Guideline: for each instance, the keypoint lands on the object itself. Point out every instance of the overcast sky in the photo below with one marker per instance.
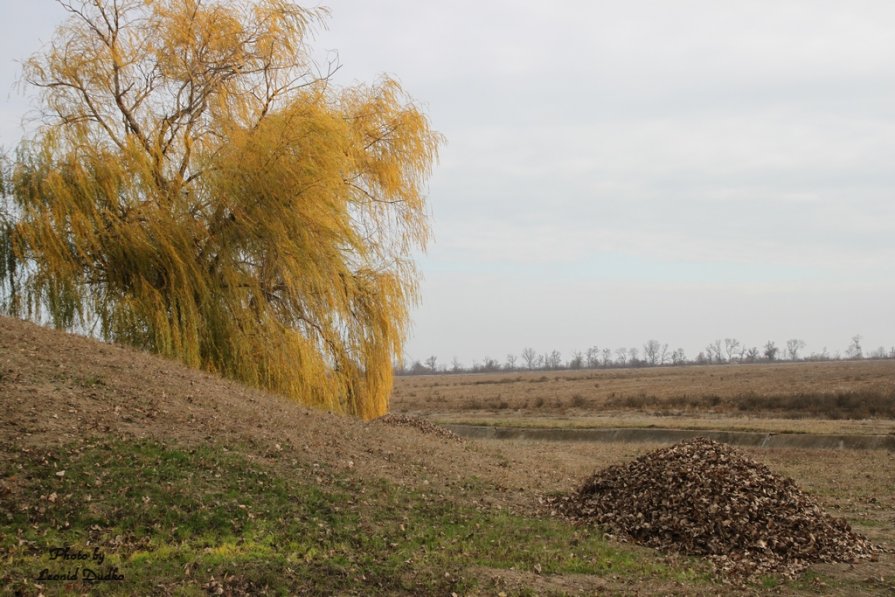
(618, 171)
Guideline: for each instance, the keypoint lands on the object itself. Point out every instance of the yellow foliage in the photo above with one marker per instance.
(199, 192)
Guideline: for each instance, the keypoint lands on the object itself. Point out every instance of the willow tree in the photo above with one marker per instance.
(199, 188)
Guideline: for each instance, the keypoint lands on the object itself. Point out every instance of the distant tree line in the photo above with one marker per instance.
(652, 354)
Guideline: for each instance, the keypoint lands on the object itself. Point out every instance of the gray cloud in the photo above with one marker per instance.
(618, 171)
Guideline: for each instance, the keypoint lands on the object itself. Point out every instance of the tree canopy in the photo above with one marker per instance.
(198, 187)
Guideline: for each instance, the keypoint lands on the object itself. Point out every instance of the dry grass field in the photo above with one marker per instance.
(822, 397)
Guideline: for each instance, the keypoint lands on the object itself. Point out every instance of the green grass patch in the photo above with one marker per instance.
(145, 517)
(868, 523)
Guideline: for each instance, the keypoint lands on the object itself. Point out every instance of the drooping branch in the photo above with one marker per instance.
(200, 189)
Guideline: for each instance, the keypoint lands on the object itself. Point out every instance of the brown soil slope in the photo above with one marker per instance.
(57, 388)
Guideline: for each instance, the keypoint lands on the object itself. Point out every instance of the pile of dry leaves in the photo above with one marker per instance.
(700, 497)
(419, 424)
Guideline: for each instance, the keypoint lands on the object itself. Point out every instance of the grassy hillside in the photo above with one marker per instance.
(158, 478)
(171, 481)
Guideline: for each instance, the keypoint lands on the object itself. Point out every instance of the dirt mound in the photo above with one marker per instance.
(59, 389)
(700, 497)
(422, 425)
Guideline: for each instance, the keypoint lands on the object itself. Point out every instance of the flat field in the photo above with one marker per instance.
(819, 397)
